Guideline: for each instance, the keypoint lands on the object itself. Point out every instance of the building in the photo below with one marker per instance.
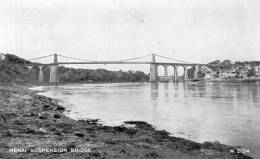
(226, 73)
(257, 70)
(243, 73)
(209, 75)
(2, 56)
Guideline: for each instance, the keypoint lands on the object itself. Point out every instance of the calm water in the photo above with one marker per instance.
(229, 113)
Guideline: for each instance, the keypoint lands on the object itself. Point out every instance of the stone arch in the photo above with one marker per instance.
(34, 72)
(180, 70)
(40, 72)
(176, 76)
(187, 72)
(46, 73)
(190, 72)
(161, 71)
(171, 72)
(195, 69)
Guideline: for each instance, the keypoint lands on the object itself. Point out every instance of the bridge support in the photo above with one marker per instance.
(166, 73)
(54, 75)
(153, 70)
(185, 73)
(41, 75)
(175, 74)
(54, 78)
(196, 70)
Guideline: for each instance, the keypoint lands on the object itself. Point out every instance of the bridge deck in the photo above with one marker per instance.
(118, 62)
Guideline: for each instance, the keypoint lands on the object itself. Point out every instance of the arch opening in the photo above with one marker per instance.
(171, 73)
(161, 71)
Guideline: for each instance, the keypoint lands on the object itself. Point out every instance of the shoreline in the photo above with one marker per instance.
(32, 121)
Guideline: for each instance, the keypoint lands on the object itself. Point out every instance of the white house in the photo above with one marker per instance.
(257, 70)
(2, 56)
(209, 75)
(227, 74)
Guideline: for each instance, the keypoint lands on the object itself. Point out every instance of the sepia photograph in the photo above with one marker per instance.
(129, 79)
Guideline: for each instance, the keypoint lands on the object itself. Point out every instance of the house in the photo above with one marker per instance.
(243, 73)
(209, 75)
(227, 73)
(257, 70)
(2, 56)
(247, 67)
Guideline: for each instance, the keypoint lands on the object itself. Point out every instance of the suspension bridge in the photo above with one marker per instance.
(175, 63)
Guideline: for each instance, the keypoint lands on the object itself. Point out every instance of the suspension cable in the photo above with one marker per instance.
(75, 58)
(41, 57)
(172, 59)
(135, 58)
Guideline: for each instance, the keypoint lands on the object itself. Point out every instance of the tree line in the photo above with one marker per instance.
(100, 75)
(13, 68)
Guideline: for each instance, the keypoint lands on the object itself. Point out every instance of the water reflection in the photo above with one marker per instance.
(228, 113)
(154, 91)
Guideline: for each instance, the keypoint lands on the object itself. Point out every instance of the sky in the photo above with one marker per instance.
(199, 31)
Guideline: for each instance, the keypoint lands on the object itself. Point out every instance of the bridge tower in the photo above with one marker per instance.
(41, 74)
(54, 75)
(153, 70)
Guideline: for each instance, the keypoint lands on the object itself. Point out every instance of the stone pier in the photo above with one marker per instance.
(196, 70)
(185, 73)
(54, 78)
(153, 70)
(165, 73)
(176, 74)
(54, 74)
(41, 75)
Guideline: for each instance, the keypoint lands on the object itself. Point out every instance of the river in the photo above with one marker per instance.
(224, 112)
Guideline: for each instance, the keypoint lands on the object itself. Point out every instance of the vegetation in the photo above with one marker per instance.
(100, 75)
(13, 68)
(227, 64)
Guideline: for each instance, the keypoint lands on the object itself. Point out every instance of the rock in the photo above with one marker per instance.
(78, 134)
(46, 107)
(33, 114)
(60, 108)
(17, 122)
(42, 115)
(140, 124)
(95, 154)
(152, 155)
(29, 130)
(8, 133)
(52, 128)
(2, 119)
(131, 131)
(58, 132)
(57, 116)
(42, 130)
(119, 128)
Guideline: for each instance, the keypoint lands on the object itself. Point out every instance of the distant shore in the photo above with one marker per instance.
(34, 126)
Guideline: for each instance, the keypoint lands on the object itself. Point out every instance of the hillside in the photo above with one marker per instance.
(228, 64)
(13, 68)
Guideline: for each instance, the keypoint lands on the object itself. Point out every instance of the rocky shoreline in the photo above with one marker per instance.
(34, 126)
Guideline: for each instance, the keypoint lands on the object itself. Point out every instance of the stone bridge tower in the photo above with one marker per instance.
(54, 74)
(153, 70)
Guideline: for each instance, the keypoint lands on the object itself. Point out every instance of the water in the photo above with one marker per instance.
(228, 113)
